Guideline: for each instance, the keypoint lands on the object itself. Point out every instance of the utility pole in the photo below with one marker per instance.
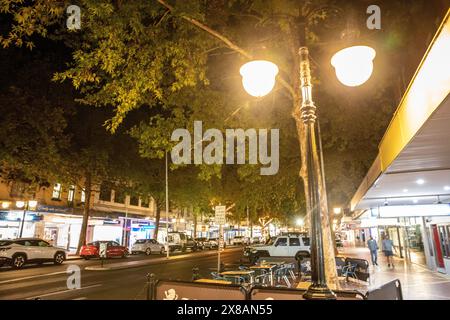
(167, 209)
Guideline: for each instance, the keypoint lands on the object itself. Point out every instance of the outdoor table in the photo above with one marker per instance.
(273, 262)
(269, 268)
(303, 285)
(239, 274)
(213, 281)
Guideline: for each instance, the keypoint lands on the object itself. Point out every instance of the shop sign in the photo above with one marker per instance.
(53, 209)
(17, 216)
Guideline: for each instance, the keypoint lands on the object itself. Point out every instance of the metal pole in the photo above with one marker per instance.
(167, 209)
(23, 219)
(219, 247)
(319, 288)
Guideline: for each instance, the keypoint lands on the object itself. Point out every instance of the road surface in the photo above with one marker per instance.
(49, 282)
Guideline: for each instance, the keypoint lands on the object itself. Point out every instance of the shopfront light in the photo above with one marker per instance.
(32, 204)
(354, 65)
(20, 204)
(258, 77)
(5, 205)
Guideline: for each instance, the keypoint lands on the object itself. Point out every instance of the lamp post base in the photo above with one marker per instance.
(318, 292)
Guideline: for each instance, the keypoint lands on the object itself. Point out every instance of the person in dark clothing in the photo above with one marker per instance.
(373, 247)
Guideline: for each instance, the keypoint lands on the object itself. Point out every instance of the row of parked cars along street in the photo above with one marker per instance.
(22, 251)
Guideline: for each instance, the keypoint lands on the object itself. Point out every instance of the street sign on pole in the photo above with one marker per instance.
(220, 215)
(103, 248)
(220, 220)
(102, 251)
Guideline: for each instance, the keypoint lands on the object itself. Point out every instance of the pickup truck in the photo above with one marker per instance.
(283, 246)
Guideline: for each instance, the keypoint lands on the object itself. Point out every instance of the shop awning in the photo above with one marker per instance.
(413, 163)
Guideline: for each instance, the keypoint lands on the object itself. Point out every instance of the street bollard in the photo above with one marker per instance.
(150, 286)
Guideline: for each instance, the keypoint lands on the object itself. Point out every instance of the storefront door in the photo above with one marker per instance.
(437, 246)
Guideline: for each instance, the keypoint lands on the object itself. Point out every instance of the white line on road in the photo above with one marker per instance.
(80, 298)
(63, 291)
(33, 277)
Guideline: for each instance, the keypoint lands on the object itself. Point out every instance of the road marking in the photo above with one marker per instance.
(80, 298)
(63, 291)
(33, 277)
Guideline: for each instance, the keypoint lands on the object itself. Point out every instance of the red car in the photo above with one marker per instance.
(114, 249)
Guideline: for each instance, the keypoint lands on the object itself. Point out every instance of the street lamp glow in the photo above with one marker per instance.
(354, 65)
(337, 210)
(300, 222)
(5, 205)
(32, 204)
(258, 77)
(20, 204)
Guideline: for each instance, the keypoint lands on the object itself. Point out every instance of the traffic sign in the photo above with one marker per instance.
(220, 215)
(103, 248)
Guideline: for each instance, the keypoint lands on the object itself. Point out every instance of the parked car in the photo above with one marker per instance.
(147, 246)
(202, 243)
(22, 251)
(239, 240)
(113, 249)
(214, 243)
(181, 241)
(255, 240)
(282, 246)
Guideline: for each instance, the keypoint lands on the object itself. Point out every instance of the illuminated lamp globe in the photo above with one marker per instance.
(258, 77)
(354, 65)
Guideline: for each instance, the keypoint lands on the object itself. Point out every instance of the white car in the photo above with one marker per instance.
(239, 240)
(147, 246)
(21, 251)
(283, 246)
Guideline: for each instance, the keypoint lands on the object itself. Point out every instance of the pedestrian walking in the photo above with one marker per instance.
(387, 247)
(373, 247)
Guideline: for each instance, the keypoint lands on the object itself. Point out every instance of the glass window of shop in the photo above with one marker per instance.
(57, 189)
(107, 233)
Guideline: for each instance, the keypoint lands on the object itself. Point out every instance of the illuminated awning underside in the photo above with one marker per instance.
(416, 145)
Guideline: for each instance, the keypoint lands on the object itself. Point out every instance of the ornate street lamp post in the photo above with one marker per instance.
(264, 73)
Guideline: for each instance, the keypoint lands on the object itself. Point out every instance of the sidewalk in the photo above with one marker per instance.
(418, 282)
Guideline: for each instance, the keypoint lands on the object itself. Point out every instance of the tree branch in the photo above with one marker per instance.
(225, 40)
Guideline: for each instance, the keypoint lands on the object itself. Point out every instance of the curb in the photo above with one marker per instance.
(141, 263)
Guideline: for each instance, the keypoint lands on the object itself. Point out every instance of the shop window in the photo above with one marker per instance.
(57, 189)
(71, 194)
(105, 192)
(145, 202)
(83, 196)
(119, 197)
(134, 200)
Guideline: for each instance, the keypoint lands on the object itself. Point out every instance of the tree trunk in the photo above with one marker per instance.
(195, 225)
(87, 208)
(157, 218)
